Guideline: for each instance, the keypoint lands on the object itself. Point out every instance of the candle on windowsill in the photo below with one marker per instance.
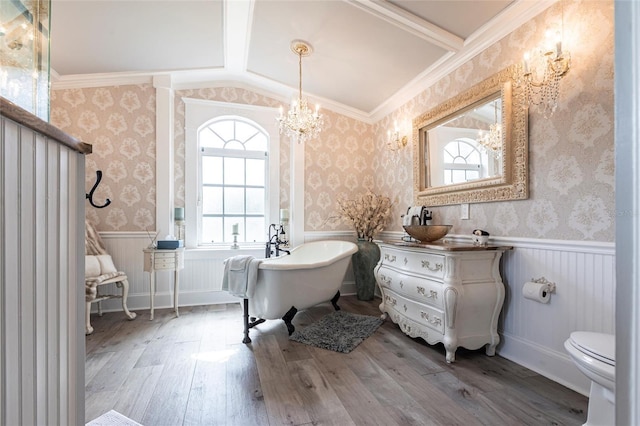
(178, 213)
(235, 229)
(284, 215)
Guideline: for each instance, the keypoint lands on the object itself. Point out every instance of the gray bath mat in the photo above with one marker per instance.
(339, 331)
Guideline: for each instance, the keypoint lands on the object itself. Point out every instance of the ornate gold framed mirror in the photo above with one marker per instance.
(473, 148)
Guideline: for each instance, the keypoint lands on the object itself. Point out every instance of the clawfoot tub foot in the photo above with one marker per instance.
(246, 321)
(249, 322)
(288, 317)
(334, 301)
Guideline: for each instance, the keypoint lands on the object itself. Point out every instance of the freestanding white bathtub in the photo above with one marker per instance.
(310, 275)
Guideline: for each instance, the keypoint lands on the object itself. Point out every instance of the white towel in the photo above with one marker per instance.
(411, 212)
(240, 275)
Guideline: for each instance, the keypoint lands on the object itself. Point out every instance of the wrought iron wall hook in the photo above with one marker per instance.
(95, 186)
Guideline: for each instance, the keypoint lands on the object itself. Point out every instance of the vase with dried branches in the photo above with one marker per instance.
(368, 213)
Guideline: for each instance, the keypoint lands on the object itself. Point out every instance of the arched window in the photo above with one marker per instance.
(233, 179)
(462, 161)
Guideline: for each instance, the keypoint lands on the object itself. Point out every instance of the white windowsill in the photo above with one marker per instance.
(224, 251)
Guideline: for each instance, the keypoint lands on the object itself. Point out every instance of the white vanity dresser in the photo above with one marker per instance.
(443, 292)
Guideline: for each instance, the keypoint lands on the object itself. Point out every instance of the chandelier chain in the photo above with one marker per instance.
(300, 122)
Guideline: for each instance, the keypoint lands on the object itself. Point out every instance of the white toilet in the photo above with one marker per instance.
(594, 354)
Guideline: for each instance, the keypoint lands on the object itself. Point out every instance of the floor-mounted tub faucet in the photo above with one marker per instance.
(276, 241)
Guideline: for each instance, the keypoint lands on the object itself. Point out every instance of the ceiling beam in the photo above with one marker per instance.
(410, 23)
(237, 27)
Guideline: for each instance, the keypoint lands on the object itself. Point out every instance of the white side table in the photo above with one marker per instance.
(163, 260)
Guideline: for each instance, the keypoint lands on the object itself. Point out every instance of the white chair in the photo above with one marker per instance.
(99, 271)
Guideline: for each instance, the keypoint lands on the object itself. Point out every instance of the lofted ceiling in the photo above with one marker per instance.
(369, 56)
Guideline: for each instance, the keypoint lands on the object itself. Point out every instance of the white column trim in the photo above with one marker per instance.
(164, 155)
(627, 140)
(297, 193)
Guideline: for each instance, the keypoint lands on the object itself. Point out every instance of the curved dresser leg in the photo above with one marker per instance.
(451, 356)
(384, 316)
(490, 349)
(125, 294)
(334, 301)
(288, 317)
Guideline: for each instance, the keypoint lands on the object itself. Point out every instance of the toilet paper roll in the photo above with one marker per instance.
(536, 291)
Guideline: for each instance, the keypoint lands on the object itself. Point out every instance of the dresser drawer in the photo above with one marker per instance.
(427, 264)
(164, 263)
(164, 255)
(421, 314)
(420, 289)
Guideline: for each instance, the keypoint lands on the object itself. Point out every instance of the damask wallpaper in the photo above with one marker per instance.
(338, 163)
(571, 154)
(120, 123)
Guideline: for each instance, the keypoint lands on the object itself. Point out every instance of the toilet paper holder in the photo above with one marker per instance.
(550, 287)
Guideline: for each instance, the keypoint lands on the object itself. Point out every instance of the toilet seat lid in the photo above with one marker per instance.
(601, 346)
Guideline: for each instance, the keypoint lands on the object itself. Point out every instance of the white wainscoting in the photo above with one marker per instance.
(200, 280)
(532, 333)
(41, 278)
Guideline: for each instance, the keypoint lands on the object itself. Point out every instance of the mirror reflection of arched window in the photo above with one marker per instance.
(462, 161)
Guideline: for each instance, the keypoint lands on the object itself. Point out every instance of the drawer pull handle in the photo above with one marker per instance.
(431, 319)
(405, 308)
(390, 258)
(401, 284)
(427, 264)
(406, 261)
(432, 294)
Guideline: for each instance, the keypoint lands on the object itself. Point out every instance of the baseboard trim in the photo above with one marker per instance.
(164, 300)
(551, 364)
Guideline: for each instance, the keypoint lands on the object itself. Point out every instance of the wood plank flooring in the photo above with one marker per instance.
(195, 370)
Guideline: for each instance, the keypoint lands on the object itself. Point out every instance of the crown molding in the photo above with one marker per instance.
(207, 78)
(506, 22)
(82, 81)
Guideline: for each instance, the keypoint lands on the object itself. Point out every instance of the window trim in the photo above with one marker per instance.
(230, 153)
(200, 113)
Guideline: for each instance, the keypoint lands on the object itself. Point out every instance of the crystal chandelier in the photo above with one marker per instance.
(300, 122)
(491, 141)
(542, 70)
